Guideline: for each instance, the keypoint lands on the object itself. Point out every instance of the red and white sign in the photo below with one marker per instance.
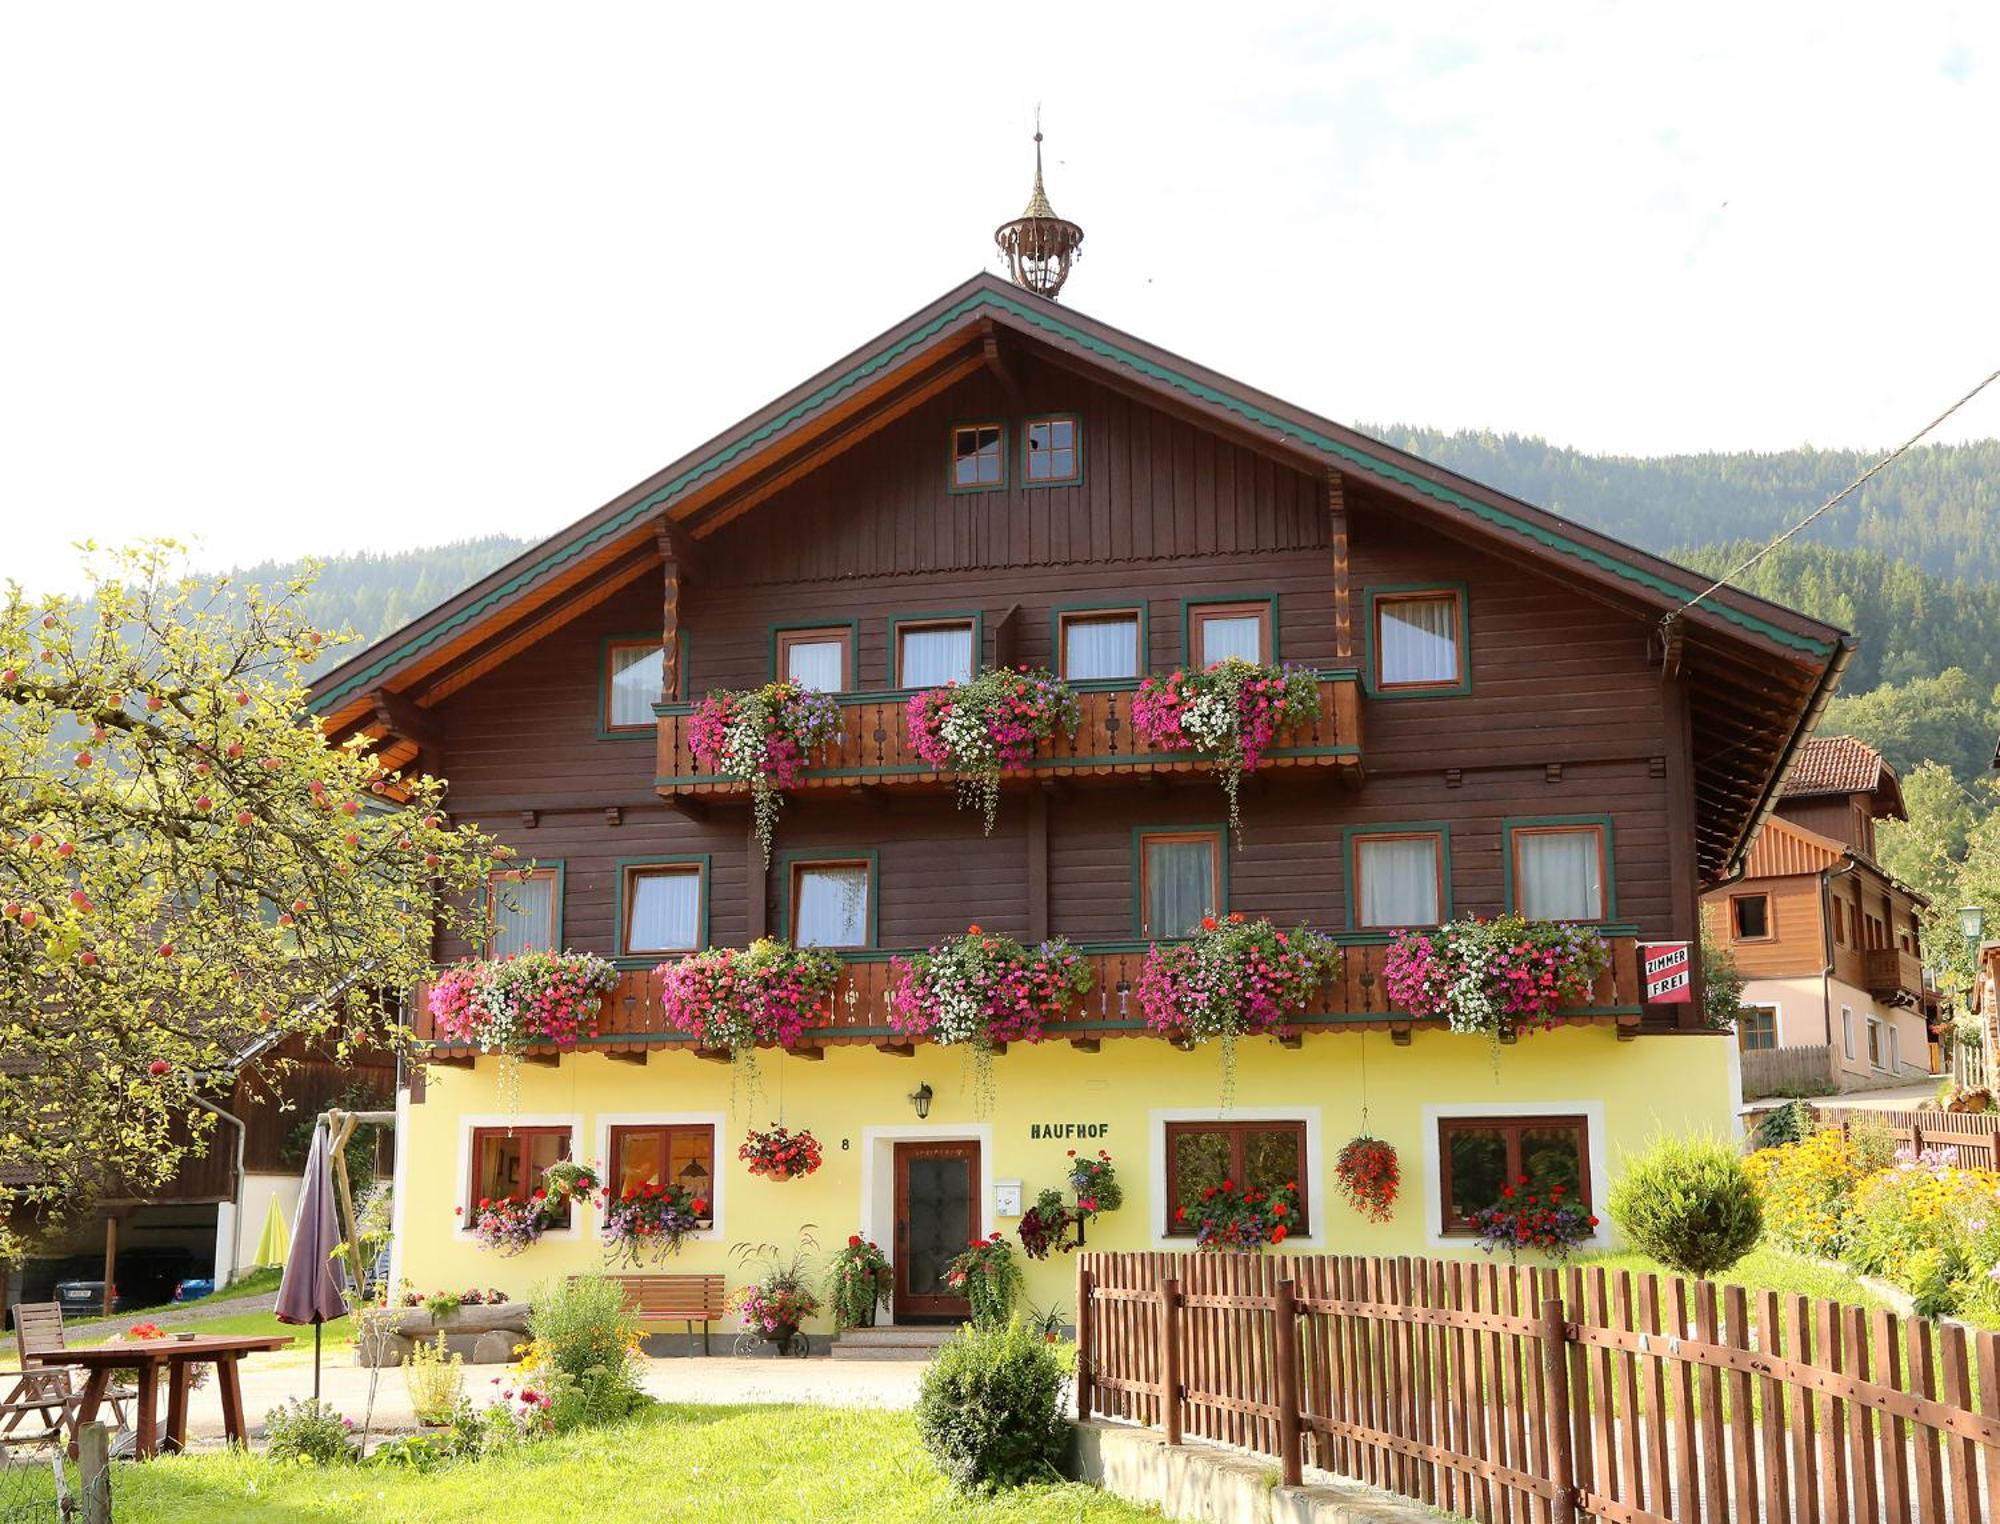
(1668, 971)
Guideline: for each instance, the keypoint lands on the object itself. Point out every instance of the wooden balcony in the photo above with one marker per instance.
(873, 750)
(1895, 976)
(858, 1012)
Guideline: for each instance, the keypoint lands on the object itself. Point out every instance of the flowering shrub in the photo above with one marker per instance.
(981, 728)
(649, 1221)
(308, 1431)
(1503, 976)
(1369, 1176)
(1805, 1189)
(1046, 1224)
(504, 1004)
(780, 1154)
(991, 1280)
(735, 998)
(760, 737)
(1095, 1182)
(1242, 1220)
(1231, 710)
(1532, 1220)
(862, 1276)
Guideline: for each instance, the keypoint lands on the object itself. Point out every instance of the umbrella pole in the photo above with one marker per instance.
(317, 1327)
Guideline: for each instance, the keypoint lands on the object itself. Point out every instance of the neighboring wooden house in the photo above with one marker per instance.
(1517, 711)
(1828, 943)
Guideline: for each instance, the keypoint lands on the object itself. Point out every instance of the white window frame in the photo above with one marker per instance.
(719, 1121)
(1594, 1141)
(1157, 1205)
(1876, 1026)
(467, 1125)
(1847, 1032)
(1895, 1048)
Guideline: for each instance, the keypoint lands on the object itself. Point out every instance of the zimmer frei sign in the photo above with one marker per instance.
(1668, 971)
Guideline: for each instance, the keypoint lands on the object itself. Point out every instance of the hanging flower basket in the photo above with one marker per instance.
(1501, 977)
(648, 1222)
(1369, 1177)
(1046, 1226)
(738, 997)
(777, 1153)
(983, 988)
(761, 736)
(981, 728)
(568, 1183)
(1230, 711)
(1234, 978)
(1095, 1182)
(1242, 1220)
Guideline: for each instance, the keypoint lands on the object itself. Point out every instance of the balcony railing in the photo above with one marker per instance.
(1895, 975)
(858, 1011)
(873, 748)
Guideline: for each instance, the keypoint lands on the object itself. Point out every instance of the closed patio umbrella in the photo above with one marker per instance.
(312, 1289)
(275, 1240)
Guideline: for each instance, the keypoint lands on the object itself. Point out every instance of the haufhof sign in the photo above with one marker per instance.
(1668, 971)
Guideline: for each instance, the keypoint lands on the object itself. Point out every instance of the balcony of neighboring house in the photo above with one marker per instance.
(1895, 975)
(873, 749)
(632, 1023)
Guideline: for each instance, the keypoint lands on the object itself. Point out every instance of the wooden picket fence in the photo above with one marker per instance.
(1971, 1134)
(1532, 1395)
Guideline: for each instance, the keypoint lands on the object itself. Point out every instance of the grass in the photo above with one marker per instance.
(1765, 1268)
(673, 1462)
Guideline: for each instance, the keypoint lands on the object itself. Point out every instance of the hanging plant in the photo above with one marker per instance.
(1242, 1220)
(566, 1183)
(780, 1154)
(982, 988)
(1046, 1226)
(981, 728)
(1234, 978)
(1369, 1177)
(760, 736)
(648, 1222)
(509, 1224)
(501, 1005)
(1502, 977)
(1231, 711)
(1095, 1182)
(738, 997)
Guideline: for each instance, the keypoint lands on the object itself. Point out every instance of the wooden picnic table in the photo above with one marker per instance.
(176, 1358)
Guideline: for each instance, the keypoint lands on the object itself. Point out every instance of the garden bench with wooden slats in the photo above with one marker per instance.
(688, 1299)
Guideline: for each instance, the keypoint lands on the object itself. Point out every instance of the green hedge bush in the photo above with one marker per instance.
(990, 1410)
(1690, 1204)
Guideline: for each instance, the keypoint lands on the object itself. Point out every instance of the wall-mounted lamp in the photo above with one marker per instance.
(921, 1099)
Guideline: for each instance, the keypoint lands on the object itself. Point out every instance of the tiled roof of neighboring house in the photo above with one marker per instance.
(1836, 765)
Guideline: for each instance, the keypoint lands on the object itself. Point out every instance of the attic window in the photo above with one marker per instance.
(1054, 451)
(976, 457)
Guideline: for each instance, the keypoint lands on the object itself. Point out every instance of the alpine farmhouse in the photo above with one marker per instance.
(1514, 714)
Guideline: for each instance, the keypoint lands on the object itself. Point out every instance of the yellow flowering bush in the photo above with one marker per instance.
(1806, 1188)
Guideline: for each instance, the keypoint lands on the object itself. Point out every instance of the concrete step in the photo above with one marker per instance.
(918, 1343)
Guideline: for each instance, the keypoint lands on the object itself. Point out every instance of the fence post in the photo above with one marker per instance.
(1561, 1437)
(93, 1465)
(1288, 1386)
(1170, 1359)
(1086, 1316)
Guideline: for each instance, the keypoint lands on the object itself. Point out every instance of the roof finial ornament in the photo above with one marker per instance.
(1039, 246)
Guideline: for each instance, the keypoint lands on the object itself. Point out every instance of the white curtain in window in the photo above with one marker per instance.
(1420, 640)
(1399, 882)
(1232, 635)
(1180, 886)
(635, 683)
(666, 911)
(932, 658)
(1562, 878)
(815, 664)
(523, 915)
(833, 907)
(1100, 648)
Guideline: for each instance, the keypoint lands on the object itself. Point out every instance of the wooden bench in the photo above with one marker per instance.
(688, 1299)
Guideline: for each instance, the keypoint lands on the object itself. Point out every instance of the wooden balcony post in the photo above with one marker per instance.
(1086, 1316)
(1290, 1460)
(1343, 602)
(1170, 1359)
(671, 558)
(1560, 1438)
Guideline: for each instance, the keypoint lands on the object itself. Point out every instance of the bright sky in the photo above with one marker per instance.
(282, 278)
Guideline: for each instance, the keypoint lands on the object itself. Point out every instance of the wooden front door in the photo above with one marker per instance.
(937, 1216)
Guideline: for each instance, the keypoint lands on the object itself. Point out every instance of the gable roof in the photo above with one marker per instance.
(1777, 666)
(1844, 765)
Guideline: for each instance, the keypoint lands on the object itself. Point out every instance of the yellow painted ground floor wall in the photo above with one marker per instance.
(1047, 1099)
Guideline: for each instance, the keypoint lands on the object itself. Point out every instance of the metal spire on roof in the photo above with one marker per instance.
(1039, 246)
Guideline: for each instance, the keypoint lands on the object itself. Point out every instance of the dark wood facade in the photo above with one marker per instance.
(1576, 703)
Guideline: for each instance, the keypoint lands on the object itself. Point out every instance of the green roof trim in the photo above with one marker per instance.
(646, 506)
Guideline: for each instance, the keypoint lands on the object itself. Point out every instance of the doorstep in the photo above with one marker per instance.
(890, 1342)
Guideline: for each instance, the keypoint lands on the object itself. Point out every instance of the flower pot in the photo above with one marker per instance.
(867, 1318)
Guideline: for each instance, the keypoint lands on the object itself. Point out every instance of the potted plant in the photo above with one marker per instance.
(1526, 1218)
(1369, 1176)
(738, 997)
(777, 1153)
(1242, 1219)
(760, 736)
(1095, 1182)
(648, 1222)
(981, 728)
(1502, 977)
(778, 1301)
(983, 988)
(1230, 711)
(862, 1278)
(1233, 978)
(1046, 1226)
(990, 1278)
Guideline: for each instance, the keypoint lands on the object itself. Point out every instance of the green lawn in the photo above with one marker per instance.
(1766, 1268)
(674, 1462)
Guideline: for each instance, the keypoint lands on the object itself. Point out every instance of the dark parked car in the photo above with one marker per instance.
(85, 1299)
